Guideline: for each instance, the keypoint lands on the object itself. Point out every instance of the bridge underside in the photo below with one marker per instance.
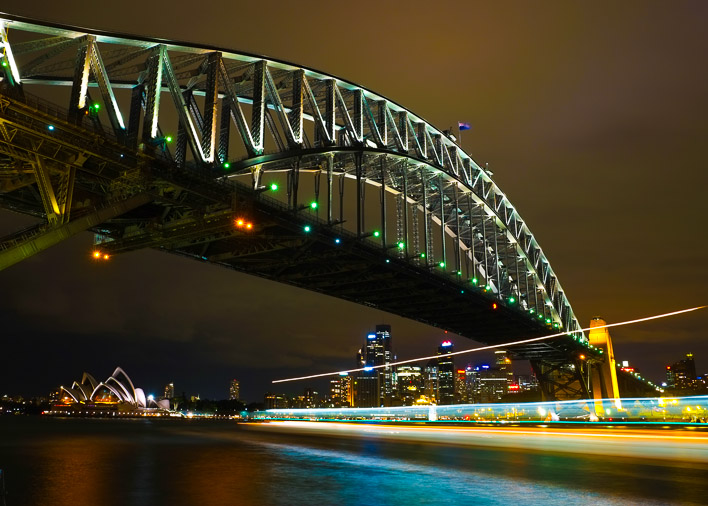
(450, 251)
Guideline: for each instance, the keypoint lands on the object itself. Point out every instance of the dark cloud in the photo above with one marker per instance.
(592, 116)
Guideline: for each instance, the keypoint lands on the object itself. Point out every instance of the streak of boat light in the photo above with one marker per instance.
(491, 347)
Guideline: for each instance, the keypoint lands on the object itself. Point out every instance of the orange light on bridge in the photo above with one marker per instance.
(106, 256)
(249, 226)
(494, 306)
(240, 223)
(96, 254)
(582, 357)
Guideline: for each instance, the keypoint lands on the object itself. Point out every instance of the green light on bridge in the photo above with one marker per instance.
(442, 265)
(401, 245)
(313, 204)
(307, 229)
(376, 233)
(512, 300)
(459, 273)
(548, 320)
(4, 63)
(227, 165)
(168, 138)
(273, 187)
(422, 255)
(475, 281)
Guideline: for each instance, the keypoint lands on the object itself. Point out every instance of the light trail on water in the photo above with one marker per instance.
(491, 347)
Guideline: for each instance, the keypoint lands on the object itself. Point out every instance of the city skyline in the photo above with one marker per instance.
(589, 197)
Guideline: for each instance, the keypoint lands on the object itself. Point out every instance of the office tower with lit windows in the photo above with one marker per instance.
(169, 392)
(410, 383)
(446, 374)
(234, 390)
(430, 375)
(461, 396)
(340, 391)
(503, 363)
(377, 351)
(682, 374)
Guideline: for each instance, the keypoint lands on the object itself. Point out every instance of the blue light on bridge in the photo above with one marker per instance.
(337, 240)
(50, 128)
(371, 336)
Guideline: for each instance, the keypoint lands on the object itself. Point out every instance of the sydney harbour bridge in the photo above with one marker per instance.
(278, 171)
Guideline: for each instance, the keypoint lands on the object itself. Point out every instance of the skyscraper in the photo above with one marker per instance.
(410, 384)
(377, 351)
(383, 335)
(234, 390)
(169, 391)
(446, 374)
(504, 365)
(340, 390)
(682, 374)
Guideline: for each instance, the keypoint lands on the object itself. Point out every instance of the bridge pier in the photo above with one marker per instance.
(603, 375)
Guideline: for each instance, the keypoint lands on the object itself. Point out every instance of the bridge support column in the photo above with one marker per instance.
(603, 375)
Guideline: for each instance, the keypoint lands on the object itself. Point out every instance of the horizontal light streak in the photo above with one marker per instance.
(619, 434)
(493, 346)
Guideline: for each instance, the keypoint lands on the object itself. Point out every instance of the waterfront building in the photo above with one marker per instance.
(169, 392)
(376, 386)
(234, 390)
(492, 384)
(275, 401)
(367, 389)
(461, 396)
(682, 374)
(117, 393)
(340, 391)
(446, 374)
(503, 363)
(430, 375)
(410, 383)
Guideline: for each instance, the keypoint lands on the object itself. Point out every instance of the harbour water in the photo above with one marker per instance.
(90, 462)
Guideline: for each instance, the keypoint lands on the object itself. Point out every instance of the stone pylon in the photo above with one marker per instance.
(603, 375)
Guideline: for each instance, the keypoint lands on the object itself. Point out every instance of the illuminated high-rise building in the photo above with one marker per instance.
(430, 373)
(682, 374)
(461, 396)
(340, 391)
(446, 374)
(169, 392)
(234, 391)
(377, 351)
(383, 335)
(410, 383)
(503, 363)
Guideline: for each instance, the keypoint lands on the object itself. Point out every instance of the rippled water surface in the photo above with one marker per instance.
(50, 461)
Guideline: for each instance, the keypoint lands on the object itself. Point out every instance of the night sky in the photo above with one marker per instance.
(592, 115)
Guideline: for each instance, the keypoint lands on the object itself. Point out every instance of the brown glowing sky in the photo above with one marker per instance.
(592, 116)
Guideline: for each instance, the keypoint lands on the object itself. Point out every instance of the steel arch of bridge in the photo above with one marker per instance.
(291, 118)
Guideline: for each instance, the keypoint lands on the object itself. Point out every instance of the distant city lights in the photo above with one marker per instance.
(495, 346)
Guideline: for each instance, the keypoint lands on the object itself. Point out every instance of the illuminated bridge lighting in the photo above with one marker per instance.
(495, 346)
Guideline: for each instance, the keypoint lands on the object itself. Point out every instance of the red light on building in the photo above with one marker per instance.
(494, 306)
(514, 387)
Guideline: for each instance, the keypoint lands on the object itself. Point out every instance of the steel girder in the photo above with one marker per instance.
(448, 211)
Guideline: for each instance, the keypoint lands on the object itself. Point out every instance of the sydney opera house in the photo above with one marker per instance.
(116, 394)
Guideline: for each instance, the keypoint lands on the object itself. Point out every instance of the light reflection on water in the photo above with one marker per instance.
(206, 463)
